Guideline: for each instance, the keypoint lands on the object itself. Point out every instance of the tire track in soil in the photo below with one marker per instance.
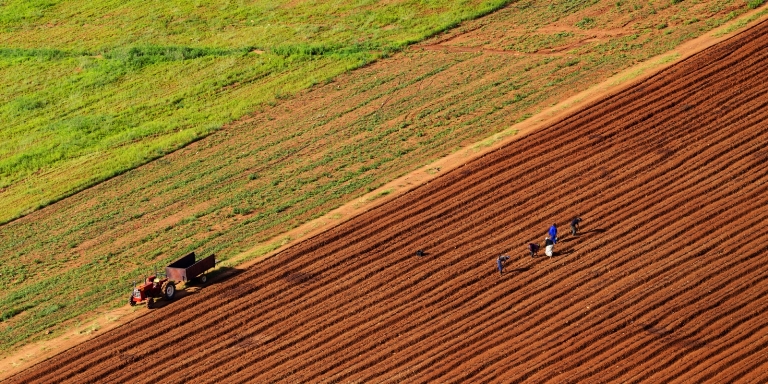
(735, 369)
(535, 321)
(730, 326)
(464, 216)
(650, 342)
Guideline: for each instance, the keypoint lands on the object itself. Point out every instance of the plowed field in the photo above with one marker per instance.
(667, 282)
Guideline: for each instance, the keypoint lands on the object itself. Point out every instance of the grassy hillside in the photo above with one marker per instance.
(96, 88)
(298, 157)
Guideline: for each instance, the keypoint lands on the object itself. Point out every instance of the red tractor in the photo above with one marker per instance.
(153, 287)
(182, 270)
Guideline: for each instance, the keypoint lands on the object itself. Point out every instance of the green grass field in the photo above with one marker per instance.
(97, 88)
(295, 159)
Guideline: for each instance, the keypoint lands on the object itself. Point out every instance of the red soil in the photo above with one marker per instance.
(666, 283)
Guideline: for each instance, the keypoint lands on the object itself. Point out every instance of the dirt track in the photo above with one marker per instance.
(667, 283)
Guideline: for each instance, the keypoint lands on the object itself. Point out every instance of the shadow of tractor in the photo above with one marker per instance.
(215, 277)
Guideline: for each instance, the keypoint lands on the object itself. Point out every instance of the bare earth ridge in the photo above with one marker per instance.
(666, 283)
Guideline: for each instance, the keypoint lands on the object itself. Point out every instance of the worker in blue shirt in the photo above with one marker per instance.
(553, 233)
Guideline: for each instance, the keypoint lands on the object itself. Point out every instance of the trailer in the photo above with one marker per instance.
(186, 269)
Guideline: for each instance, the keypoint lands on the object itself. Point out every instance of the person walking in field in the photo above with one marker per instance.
(553, 233)
(500, 263)
(575, 225)
(534, 249)
(549, 247)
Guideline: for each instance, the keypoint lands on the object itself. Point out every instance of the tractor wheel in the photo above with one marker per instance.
(203, 279)
(149, 302)
(169, 290)
(130, 301)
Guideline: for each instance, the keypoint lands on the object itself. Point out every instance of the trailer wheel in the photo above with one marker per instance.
(203, 279)
(169, 290)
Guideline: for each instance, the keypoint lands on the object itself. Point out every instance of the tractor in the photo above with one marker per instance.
(153, 287)
(182, 270)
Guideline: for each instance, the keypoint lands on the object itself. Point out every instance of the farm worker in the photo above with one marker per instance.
(534, 248)
(553, 233)
(575, 225)
(549, 246)
(500, 262)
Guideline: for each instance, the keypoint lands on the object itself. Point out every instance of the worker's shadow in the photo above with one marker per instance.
(584, 234)
(560, 253)
(302, 277)
(517, 270)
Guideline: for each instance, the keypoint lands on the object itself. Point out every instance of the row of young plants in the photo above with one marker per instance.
(95, 89)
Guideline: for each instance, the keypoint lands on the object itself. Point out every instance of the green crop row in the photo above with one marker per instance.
(97, 88)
